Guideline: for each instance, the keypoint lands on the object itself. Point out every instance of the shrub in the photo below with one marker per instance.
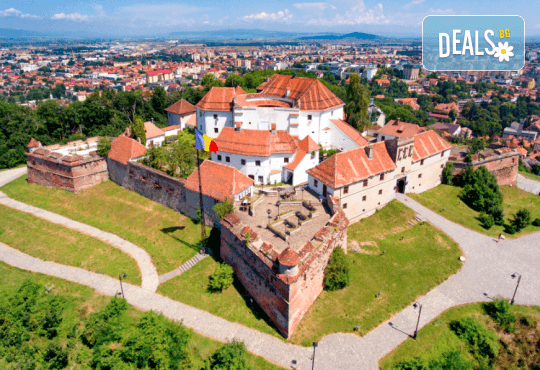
(231, 356)
(137, 130)
(412, 364)
(448, 173)
(522, 219)
(498, 215)
(499, 311)
(484, 343)
(222, 209)
(510, 229)
(486, 220)
(104, 146)
(452, 360)
(222, 278)
(336, 273)
(480, 190)
(536, 222)
(55, 356)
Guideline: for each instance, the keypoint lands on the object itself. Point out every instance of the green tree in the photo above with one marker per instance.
(231, 356)
(357, 103)
(222, 209)
(336, 273)
(137, 130)
(448, 173)
(481, 190)
(104, 146)
(522, 219)
(476, 145)
(159, 100)
(182, 159)
(222, 278)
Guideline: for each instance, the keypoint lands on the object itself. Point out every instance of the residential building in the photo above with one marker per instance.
(159, 75)
(154, 135)
(397, 128)
(182, 114)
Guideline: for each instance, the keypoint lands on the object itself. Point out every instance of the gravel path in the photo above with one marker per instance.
(528, 185)
(150, 279)
(484, 275)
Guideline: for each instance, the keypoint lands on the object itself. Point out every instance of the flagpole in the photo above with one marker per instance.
(201, 206)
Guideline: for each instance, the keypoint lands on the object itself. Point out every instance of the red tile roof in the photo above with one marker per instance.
(350, 131)
(124, 148)
(169, 128)
(258, 143)
(428, 143)
(182, 107)
(305, 146)
(219, 98)
(289, 257)
(353, 165)
(218, 180)
(33, 143)
(154, 73)
(308, 94)
(152, 130)
(400, 129)
(192, 121)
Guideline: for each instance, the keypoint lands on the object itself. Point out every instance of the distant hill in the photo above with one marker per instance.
(236, 33)
(354, 35)
(12, 33)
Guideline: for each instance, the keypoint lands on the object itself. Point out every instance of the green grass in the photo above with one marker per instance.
(531, 176)
(50, 242)
(436, 337)
(410, 268)
(168, 236)
(87, 300)
(447, 197)
(13, 167)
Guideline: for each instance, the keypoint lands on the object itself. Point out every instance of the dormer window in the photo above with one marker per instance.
(215, 116)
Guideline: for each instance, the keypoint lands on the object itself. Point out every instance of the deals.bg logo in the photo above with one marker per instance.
(473, 43)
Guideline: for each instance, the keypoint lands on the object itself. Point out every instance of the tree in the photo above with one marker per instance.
(222, 209)
(448, 173)
(159, 99)
(481, 190)
(104, 146)
(476, 145)
(231, 356)
(357, 103)
(137, 130)
(336, 273)
(182, 161)
(222, 278)
(521, 219)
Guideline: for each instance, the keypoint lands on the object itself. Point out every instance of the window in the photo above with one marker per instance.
(422, 162)
(513, 160)
(380, 192)
(442, 165)
(216, 201)
(216, 130)
(364, 198)
(315, 183)
(410, 151)
(219, 157)
(227, 159)
(309, 117)
(243, 161)
(286, 160)
(215, 116)
(382, 177)
(258, 163)
(261, 179)
(419, 175)
(200, 113)
(442, 154)
(382, 138)
(365, 183)
(250, 123)
(346, 190)
(332, 113)
(345, 206)
(402, 169)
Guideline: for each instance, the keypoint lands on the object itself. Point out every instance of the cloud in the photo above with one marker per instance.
(356, 15)
(440, 11)
(12, 12)
(70, 17)
(281, 16)
(317, 6)
(150, 11)
(413, 3)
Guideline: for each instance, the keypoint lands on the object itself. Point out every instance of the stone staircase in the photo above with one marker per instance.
(186, 266)
(417, 218)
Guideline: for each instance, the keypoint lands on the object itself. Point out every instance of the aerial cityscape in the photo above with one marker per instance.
(278, 186)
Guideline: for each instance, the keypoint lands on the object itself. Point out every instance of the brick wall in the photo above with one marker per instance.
(285, 299)
(504, 167)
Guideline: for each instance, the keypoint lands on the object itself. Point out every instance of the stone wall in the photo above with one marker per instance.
(285, 299)
(503, 163)
(71, 173)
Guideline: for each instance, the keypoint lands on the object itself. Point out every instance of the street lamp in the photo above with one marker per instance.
(278, 204)
(315, 344)
(121, 287)
(514, 275)
(268, 211)
(416, 304)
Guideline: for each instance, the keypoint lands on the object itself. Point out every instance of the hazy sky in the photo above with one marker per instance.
(124, 18)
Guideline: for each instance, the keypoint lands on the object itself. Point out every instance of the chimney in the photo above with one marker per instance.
(287, 93)
(238, 127)
(273, 129)
(235, 102)
(369, 151)
(397, 121)
(152, 120)
(266, 79)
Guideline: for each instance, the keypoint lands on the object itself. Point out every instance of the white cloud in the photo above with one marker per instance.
(413, 3)
(12, 12)
(356, 15)
(440, 11)
(71, 17)
(317, 6)
(281, 16)
(156, 12)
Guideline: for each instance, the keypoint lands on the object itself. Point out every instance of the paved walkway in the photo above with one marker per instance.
(485, 274)
(528, 185)
(150, 279)
(180, 270)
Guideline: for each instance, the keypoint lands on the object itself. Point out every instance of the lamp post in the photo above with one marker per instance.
(514, 275)
(416, 304)
(315, 344)
(268, 211)
(278, 204)
(121, 287)
(303, 193)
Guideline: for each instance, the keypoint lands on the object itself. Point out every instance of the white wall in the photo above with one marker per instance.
(156, 141)
(431, 171)
(338, 139)
(206, 123)
(300, 175)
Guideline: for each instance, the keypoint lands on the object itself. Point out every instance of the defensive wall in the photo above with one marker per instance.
(503, 163)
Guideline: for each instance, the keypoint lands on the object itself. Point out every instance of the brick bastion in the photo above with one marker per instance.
(284, 283)
(71, 167)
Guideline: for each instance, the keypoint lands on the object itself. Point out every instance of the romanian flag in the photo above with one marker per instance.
(204, 142)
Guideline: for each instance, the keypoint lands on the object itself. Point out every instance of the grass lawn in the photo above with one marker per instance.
(446, 196)
(410, 268)
(168, 236)
(530, 175)
(50, 242)
(13, 167)
(436, 337)
(88, 300)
